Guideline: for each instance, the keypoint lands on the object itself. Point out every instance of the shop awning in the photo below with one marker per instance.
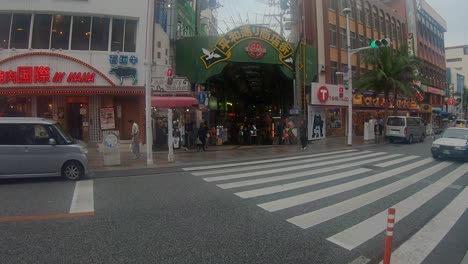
(173, 101)
(440, 112)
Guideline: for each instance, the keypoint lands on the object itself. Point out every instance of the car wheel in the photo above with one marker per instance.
(410, 139)
(72, 170)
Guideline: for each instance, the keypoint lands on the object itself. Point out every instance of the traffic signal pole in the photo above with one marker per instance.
(347, 12)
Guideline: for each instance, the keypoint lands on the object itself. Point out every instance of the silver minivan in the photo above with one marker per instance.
(37, 147)
(405, 128)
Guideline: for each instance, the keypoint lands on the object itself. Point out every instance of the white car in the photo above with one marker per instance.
(453, 143)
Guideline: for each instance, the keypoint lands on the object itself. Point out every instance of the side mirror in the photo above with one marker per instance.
(52, 142)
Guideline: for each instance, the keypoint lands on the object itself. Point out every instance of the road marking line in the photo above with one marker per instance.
(287, 169)
(83, 197)
(44, 217)
(284, 203)
(362, 232)
(324, 214)
(360, 260)
(264, 161)
(420, 245)
(301, 174)
(393, 162)
(272, 165)
(299, 184)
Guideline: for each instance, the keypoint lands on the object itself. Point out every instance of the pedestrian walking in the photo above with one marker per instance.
(135, 146)
(381, 126)
(201, 139)
(303, 134)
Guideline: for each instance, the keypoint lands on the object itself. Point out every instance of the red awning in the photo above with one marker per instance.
(173, 101)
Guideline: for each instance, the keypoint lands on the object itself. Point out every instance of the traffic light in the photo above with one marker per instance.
(341, 90)
(381, 43)
(169, 76)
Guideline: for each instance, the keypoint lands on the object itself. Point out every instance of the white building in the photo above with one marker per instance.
(457, 71)
(78, 62)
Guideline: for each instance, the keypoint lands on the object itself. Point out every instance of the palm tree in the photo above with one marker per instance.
(393, 72)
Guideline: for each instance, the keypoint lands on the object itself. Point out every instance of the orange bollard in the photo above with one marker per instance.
(389, 238)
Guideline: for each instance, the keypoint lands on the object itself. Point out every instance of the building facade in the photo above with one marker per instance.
(457, 71)
(80, 63)
(324, 27)
(426, 40)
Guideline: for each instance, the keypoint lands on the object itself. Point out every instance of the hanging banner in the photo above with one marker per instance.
(316, 123)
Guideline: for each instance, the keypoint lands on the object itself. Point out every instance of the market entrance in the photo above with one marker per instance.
(253, 101)
(243, 81)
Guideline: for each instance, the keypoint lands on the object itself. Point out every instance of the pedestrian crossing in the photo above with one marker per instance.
(344, 182)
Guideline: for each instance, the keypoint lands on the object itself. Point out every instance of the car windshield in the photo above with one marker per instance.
(456, 133)
(64, 134)
(396, 121)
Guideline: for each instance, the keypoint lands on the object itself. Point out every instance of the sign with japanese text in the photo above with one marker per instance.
(161, 84)
(224, 45)
(328, 94)
(36, 69)
(43, 75)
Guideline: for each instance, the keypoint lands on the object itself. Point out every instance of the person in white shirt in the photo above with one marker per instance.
(135, 140)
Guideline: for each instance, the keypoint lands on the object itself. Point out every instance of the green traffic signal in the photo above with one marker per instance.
(380, 43)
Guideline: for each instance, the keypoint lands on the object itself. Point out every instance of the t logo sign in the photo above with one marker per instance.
(322, 94)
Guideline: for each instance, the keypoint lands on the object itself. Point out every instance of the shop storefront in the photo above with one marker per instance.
(368, 107)
(328, 111)
(84, 99)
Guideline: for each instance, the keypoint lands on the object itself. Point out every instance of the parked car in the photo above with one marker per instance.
(461, 123)
(37, 147)
(405, 128)
(453, 143)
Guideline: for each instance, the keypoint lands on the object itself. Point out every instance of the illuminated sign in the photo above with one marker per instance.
(43, 75)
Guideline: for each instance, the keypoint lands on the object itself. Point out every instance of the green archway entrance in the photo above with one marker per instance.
(248, 75)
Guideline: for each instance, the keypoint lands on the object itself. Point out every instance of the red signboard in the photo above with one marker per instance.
(323, 94)
(42, 74)
(256, 50)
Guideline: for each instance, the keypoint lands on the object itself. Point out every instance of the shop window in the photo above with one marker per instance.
(332, 29)
(5, 21)
(100, 34)
(130, 35)
(60, 32)
(117, 34)
(81, 33)
(44, 107)
(15, 106)
(333, 70)
(20, 31)
(367, 14)
(343, 38)
(41, 31)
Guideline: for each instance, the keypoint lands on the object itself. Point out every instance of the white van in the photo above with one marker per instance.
(37, 147)
(405, 128)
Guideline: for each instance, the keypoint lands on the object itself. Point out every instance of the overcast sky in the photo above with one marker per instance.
(233, 12)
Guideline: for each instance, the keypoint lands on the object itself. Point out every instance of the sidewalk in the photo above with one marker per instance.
(213, 155)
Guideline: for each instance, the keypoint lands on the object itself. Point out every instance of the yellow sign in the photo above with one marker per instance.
(357, 99)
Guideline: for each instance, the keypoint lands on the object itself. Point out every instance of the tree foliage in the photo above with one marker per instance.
(393, 72)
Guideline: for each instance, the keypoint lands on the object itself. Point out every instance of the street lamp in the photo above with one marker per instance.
(347, 11)
(148, 91)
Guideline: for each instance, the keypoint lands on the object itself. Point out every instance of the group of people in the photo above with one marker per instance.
(203, 135)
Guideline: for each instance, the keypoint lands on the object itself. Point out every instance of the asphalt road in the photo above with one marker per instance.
(325, 208)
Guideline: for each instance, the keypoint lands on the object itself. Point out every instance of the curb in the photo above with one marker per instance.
(156, 169)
